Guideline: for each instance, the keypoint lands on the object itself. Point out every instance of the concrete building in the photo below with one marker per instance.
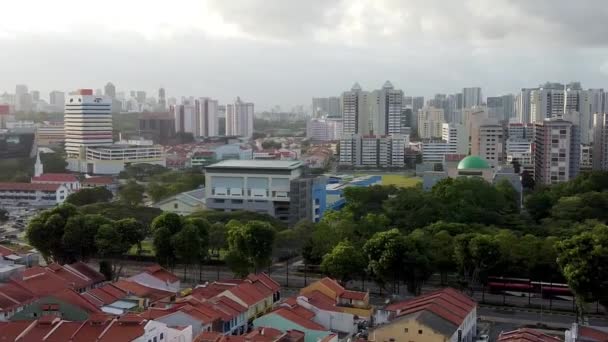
(557, 151)
(355, 111)
(239, 118)
(453, 141)
(87, 123)
(471, 97)
(600, 141)
(111, 160)
(254, 185)
(57, 99)
(386, 111)
(307, 199)
(110, 90)
(522, 106)
(206, 117)
(430, 122)
(327, 129)
(185, 120)
(184, 203)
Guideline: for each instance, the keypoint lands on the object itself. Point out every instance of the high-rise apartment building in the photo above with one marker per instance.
(141, 96)
(87, 122)
(185, 120)
(355, 111)
(522, 106)
(495, 107)
(239, 118)
(430, 122)
(110, 90)
(600, 141)
(373, 150)
(23, 99)
(386, 111)
(328, 129)
(557, 151)
(453, 141)
(326, 106)
(471, 97)
(206, 117)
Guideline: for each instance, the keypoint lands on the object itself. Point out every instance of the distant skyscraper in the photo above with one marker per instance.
(239, 118)
(185, 120)
(386, 110)
(326, 106)
(141, 96)
(87, 123)
(430, 123)
(495, 107)
(600, 141)
(35, 95)
(471, 97)
(557, 151)
(355, 111)
(162, 100)
(417, 104)
(488, 139)
(508, 105)
(57, 98)
(206, 117)
(23, 100)
(110, 90)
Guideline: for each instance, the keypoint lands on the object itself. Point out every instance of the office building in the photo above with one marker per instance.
(87, 123)
(50, 134)
(430, 123)
(162, 100)
(520, 130)
(600, 141)
(57, 98)
(158, 127)
(239, 118)
(508, 105)
(254, 185)
(329, 129)
(110, 90)
(471, 97)
(23, 100)
(495, 107)
(557, 151)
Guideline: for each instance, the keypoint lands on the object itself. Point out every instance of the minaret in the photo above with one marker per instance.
(38, 168)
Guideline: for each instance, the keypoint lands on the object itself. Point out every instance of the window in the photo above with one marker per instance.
(405, 330)
(155, 339)
(162, 335)
(175, 206)
(420, 332)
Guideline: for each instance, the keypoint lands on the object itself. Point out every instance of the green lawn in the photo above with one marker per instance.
(401, 181)
(146, 246)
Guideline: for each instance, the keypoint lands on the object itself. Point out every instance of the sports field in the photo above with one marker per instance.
(400, 180)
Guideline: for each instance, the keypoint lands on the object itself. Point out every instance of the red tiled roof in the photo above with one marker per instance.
(89, 330)
(10, 330)
(142, 291)
(208, 336)
(295, 318)
(225, 301)
(332, 285)
(592, 334)
(126, 328)
(526, 335)
(63, 331)
(13, 296)
(6, 251)
(158, 272)
(356, 295)
(98, 180)
(303, 312)
(55, 177)
(29, 186)
(321, 301)
(248, 293)
(446, 303)
(72, 278)
(88, 271)
(40, 281)
(76, 299)
(41, 328)
(209, 291)
(107, 294)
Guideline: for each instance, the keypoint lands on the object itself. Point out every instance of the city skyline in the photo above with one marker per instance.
(221, 50)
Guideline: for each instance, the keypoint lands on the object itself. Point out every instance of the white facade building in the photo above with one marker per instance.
(373, 151)
(87, 123)
(206, 117)
(239, 118)
(185, 119)
(488, 142)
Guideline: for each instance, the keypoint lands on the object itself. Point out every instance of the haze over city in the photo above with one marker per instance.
(283, 52)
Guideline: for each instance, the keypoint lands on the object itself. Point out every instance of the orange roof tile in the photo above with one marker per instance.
(526, 335)
(161, 273)
(332, 285)
(295, 318)
(142, 291)
(356, 295)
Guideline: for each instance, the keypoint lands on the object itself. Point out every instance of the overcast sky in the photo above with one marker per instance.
(286, 51)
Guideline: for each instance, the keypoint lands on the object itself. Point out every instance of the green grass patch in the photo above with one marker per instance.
(401, 181)
(146, 248)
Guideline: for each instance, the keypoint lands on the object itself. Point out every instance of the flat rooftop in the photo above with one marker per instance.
(256, 164)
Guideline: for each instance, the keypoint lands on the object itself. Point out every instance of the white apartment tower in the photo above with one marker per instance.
(206, 117)
(430, 122)
(355, 111)
(185, 119)
(239, 118)
(557, 151)
(87, 122)
(488, 141)
(386, 110)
